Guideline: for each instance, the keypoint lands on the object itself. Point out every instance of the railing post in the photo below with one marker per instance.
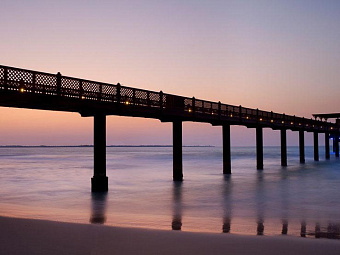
(118, 93)
(148, 99)
(257, 115)
(100, 92)
(219, 109)
(58, 84)
(193, 106)
(6, 78)
(81, 89)
(33, 82)
(240, 112)
(134, 96)
(161, 100)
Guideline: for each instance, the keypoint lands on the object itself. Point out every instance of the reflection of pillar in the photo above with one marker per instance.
(227, 204)
(260, 227)
(226, 225)
(177, 206)
(98, 200)
(284, 227)
(303, 229)
(317, 230)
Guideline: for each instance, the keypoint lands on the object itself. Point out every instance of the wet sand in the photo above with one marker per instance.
(27, 236)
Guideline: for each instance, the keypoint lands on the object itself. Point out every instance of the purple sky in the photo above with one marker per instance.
(282, 56)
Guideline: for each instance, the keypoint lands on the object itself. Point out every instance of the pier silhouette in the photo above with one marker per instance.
(37, 90)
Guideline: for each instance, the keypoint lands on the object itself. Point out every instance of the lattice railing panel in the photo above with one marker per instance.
(109, 93)
(154, 99)
(70, 87)
(126, 95)
(17, 78)
(141, 97)
(2, 78)
(45, 84)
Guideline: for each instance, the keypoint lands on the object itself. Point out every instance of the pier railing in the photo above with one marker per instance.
(27, 81)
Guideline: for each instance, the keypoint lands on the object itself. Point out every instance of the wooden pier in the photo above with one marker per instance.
(37, 90)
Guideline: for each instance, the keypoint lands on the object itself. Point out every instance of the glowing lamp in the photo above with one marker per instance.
(22, 90)
(127, 102)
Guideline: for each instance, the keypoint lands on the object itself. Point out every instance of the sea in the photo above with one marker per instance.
(54, 183)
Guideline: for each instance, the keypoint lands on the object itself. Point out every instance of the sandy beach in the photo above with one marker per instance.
(27, 236)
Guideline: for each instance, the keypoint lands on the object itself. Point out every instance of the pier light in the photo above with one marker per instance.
(331, 127)
(299, 124)
(189, 110)
(212, 113)
(231, 115)
(82, 97)
(271, 121)
(260, 119)
(127, 102)
(247, 117)
(283, 122)
(22, 90)
(291, 123)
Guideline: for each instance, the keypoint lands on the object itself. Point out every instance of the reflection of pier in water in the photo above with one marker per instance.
(177, 206)
(332, 231)
(98, 202)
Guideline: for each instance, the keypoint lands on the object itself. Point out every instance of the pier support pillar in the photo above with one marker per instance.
(302, 146)
(99, 182)
(226, 149)
(334, 144)
(283, 147)
(336, 138)
(316, 146)
(327, 155)
(259, 147)
(177, 151)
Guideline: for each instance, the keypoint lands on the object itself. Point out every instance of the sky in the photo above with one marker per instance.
(281, 56)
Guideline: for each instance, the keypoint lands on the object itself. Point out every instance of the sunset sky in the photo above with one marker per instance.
(281, 56)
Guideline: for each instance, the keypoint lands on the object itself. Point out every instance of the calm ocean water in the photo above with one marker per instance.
(54, 184)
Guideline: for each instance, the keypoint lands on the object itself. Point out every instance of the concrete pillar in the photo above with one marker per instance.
(327, 155)
(283, 147)
(334, 144)
(99, 181)
(302, 146)
(336, 137)
(259, 147)
(177, 151)
(316, 146)
(226, 149)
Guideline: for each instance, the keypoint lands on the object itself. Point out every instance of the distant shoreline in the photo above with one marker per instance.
(85, 146)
